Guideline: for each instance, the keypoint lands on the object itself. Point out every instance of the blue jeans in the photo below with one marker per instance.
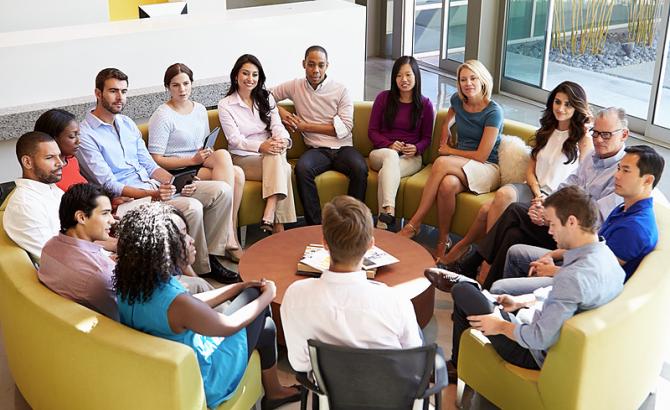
(515, 275)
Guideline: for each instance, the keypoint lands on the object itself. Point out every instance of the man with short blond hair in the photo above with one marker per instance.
(343, 307)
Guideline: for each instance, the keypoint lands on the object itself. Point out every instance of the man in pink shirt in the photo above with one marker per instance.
(72, 264)
(325, 116)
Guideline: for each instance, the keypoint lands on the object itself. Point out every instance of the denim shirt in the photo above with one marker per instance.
(590, 277)
(114, 160)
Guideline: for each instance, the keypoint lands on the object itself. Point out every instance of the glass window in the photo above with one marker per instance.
(525, 41)
(662, 114)
(607, 47)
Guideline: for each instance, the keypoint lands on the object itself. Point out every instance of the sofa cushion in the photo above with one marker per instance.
(514, 155)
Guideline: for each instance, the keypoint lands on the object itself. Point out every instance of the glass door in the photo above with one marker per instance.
(439, 32)
(526, 28)
(659, 128)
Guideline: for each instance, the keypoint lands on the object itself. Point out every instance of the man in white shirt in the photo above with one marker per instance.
(325, 116)
(342, 307)
(31, 216)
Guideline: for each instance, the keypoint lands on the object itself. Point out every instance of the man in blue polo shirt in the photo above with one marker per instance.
(630, 230)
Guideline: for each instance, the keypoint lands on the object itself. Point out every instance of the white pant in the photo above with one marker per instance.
(208, 216)
(391, 167)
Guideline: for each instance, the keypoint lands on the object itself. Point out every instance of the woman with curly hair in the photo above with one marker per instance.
(153, 244)
(258, 141)
(560, 142)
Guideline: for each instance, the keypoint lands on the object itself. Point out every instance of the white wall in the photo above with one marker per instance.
(10, 169)
(61, 63)
(58, 64)
(36, 14)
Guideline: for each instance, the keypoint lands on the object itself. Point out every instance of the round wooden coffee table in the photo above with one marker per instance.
(276, 258)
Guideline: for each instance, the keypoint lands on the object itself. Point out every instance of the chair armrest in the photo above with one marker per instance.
(441, 378)
(304, 379)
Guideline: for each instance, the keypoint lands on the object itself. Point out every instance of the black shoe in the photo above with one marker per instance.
(466, 265)
(442, 279)
(270, 404)
(388, 219)
(266, 226)
(220, 273)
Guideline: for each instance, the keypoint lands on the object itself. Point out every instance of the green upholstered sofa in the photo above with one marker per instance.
(332, 183)
(606, 358)
(63, 355)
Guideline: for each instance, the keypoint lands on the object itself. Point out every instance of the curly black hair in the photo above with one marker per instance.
(150, 249)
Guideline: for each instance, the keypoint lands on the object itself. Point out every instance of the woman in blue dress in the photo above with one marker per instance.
(153, 245)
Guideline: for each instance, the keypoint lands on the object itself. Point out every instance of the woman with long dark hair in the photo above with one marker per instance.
(560, 142)
(177, 130)
(64, 128)
(400, 129)
(258, 141)
(153, 244)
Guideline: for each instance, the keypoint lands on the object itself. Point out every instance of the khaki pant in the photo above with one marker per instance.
(391, 167)
(208, 217)
(274, 172)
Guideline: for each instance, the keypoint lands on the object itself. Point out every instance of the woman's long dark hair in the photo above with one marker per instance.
(259, 95)
(394, 94)
(577, 130)
(150, 249)
(54, 121)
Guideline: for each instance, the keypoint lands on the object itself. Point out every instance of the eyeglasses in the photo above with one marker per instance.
(605, 135)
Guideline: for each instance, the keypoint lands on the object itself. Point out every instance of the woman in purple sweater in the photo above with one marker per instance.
(401, 125)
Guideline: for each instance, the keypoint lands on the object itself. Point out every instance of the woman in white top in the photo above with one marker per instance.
(560, 142)
(177, 130)
(258, 141)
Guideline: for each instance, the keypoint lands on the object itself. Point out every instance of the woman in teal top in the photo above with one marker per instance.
(153, 244)
(471, 162)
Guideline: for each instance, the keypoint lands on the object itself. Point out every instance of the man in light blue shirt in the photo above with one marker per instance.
(113, 154)
(590, 277)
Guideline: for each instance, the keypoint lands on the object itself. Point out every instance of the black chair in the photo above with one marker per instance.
(366, 379)
(5, 189)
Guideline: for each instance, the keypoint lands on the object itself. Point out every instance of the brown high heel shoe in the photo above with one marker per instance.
(408, 231)
(441, 248)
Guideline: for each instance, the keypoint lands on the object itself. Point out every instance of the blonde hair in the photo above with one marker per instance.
(481, 72)
(347, 229)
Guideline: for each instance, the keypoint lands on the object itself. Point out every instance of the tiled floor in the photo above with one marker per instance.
(438, 88)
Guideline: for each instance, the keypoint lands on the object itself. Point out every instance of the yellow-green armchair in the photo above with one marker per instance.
(606, 358)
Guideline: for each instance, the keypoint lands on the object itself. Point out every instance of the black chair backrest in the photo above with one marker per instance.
(5, 189)
(362, 379)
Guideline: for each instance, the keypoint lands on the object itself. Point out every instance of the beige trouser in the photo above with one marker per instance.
(208, 218)
(274, 172)
(391, 167)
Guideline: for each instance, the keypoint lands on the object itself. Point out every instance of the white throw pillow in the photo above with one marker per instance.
(513, 157)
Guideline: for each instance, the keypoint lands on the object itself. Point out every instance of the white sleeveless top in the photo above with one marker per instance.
(550, 166)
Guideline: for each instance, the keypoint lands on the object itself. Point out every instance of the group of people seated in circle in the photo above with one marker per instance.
(569, 237)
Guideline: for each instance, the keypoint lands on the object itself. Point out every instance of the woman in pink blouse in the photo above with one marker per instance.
(257, 140)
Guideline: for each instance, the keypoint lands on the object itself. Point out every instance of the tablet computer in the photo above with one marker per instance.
(211, 138)
(183, 178)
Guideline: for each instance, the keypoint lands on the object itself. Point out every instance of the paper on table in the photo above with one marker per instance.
(319, 258)
(128, 206)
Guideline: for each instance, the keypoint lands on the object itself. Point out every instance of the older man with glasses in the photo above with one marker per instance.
(523, 224)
